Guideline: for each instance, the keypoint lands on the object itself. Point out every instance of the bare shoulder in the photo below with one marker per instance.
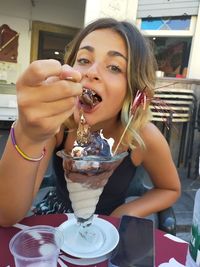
(152, 136)
(156, 145)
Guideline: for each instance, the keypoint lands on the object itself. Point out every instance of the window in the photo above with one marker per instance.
(166, 23)
(172, 54)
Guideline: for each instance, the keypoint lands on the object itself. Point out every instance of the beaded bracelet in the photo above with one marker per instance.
(12, 133)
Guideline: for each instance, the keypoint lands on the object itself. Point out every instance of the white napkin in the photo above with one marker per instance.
(175, 238)
(172, 263)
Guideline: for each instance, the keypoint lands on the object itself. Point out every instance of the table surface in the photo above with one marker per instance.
(168, 248)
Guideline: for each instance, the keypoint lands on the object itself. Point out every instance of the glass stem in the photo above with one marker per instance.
(84, 226)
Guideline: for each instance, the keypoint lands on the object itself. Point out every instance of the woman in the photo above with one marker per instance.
(114, 60)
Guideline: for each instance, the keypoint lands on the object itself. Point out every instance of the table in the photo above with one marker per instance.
(167, 246)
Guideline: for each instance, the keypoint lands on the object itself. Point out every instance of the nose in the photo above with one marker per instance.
(92, 72)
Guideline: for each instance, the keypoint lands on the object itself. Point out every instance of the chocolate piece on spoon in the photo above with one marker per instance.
(89, 98)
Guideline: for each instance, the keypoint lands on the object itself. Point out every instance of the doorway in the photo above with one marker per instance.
(50, 40)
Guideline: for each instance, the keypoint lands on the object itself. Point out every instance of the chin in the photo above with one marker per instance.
(91, 120)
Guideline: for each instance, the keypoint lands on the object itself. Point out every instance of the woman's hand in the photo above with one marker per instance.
(46, 98)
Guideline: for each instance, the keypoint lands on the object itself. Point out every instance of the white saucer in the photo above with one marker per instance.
(110, 242)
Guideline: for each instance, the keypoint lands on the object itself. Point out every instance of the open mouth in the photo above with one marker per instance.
(89, 98)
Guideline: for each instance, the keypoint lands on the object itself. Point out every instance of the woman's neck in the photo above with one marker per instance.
(110, 127)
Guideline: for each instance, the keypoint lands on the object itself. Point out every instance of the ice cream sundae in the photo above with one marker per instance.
(87, 169)
(84, 173)
(89, 165)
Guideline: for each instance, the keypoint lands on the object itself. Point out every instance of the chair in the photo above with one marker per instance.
(175, 109)
(165, 220)
(194, 147)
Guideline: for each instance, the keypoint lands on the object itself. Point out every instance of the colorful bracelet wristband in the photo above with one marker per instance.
(22, 154)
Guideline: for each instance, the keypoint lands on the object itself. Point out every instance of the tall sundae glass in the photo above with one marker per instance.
(87, 169)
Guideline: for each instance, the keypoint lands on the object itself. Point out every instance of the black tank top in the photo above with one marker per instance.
(114, 192)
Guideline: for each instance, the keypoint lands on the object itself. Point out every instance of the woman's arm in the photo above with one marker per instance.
(157, 161)
(45, 99)
(20, 179)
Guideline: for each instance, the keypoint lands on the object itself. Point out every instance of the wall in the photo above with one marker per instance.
(118, 9)
(19, 14)
(194, 63)
(20, 25)
(63, 12)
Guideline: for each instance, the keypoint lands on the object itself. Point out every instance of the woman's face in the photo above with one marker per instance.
(102, 61)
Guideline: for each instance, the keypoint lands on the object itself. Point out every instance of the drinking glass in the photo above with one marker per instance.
(86, 177)
(36, 246)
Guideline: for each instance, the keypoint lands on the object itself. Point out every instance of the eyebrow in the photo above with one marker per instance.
(116, 54)
(111, 53)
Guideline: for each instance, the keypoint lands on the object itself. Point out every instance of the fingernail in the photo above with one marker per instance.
(70, 78)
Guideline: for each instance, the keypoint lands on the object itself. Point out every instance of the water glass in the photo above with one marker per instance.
(36, 246)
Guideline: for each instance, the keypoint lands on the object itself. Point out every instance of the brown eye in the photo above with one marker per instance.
(82, 61)
(114, 68)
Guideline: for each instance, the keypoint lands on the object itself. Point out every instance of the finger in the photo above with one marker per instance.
(39, 70)
(69, 73)
(51, 79)
(49, 110)
(57, 90)
(53, 124)
(50, 121)
(57, 107)
(60, 119)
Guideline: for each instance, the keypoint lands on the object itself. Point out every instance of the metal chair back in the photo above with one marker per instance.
(175, 108)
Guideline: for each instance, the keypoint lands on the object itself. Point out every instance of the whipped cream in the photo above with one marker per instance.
(96, 145)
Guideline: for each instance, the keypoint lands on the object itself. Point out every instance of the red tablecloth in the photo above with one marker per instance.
(165, 248)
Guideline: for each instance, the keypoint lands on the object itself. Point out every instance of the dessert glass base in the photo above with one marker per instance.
(86, 177)
(93, 239)
(74, 247)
